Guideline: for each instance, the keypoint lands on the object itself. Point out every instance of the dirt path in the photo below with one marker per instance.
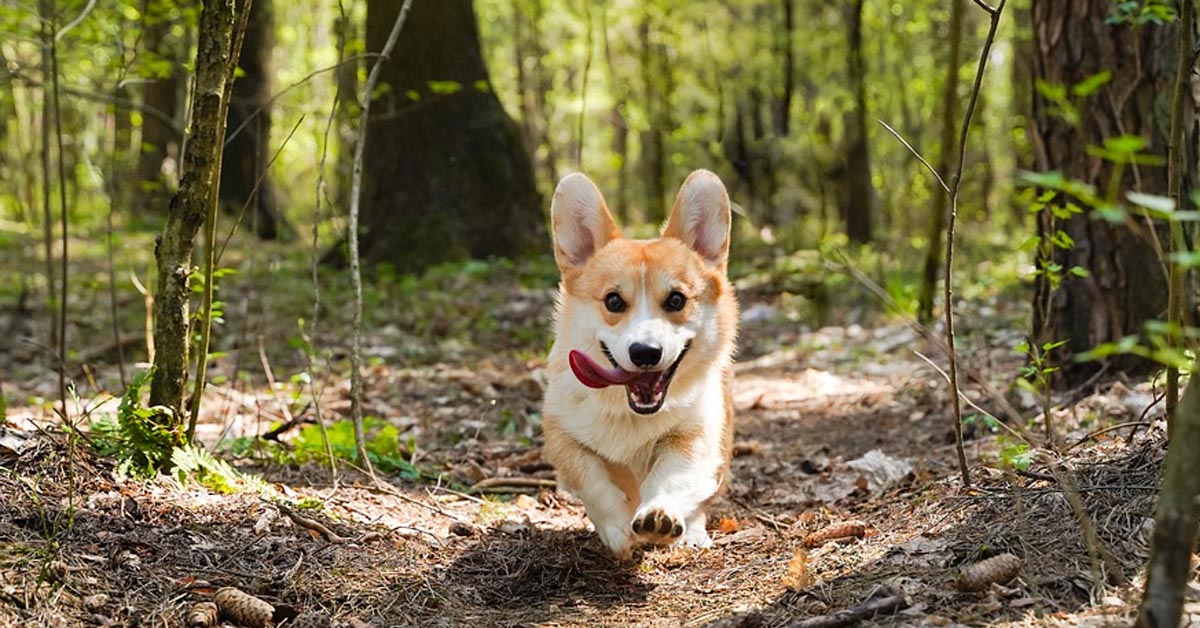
(853, 428)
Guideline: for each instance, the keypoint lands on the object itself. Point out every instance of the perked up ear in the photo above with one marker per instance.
(580, 221)
(701, 217)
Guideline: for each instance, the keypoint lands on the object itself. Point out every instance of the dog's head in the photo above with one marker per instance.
(642, 313)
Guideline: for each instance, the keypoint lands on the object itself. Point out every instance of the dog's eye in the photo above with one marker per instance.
(614, 303)
(675, 301)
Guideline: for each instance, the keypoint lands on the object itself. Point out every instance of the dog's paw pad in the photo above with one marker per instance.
(657, 522)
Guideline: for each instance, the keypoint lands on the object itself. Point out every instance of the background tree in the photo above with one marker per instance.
(1093, 138)
(162, 92)
(447, 176)
(859, 194)
(249, 126)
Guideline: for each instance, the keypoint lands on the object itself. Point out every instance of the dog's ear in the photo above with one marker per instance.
(580, 220)
(701, 217)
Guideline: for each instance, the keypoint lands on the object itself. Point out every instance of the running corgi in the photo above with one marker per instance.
(638, 414)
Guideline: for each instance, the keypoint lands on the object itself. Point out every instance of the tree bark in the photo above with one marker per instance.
(937, 220)
(859, 196)
(447, 176)
(1125, 285)
(173, 250)
(247, 152)
(1176, 520)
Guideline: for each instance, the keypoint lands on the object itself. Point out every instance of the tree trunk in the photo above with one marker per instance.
(653, 149)
(1125, 285)
(173, 250)
(1176, 520)
(787, 50)
(247, 152)
(937, 219)
(161, 93)
(620, 126)
(857, 201)
(447, 176)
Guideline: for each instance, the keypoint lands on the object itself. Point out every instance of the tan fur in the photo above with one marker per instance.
(678, 458)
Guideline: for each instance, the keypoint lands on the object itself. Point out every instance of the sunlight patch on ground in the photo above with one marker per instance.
(759, 391)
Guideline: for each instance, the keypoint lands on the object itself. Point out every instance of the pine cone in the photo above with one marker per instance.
(203, 615)
(833, 532)
(995, 570)
(243, 609)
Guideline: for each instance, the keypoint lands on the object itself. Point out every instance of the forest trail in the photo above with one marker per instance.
(845, 424)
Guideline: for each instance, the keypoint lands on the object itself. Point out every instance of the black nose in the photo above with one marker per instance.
(644, 355)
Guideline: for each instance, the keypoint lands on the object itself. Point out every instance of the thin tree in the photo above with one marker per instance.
(360, 438)
(189, 206)
(859, 194)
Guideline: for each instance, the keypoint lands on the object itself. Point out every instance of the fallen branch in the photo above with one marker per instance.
(311, 524)
(848, 616)
(497, 485)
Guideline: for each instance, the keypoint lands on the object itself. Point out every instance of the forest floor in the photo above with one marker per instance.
(835, 424)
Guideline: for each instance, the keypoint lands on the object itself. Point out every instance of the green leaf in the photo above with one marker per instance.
(443, 88)
(1092, 83)
(1080, 271)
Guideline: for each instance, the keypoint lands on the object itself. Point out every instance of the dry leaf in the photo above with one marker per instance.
(798, 576)
(727, 525)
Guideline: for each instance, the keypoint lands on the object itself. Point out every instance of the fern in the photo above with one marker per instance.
(142, 438)
(198, 464)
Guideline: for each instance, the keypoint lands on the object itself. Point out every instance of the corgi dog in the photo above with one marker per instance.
(638, 412)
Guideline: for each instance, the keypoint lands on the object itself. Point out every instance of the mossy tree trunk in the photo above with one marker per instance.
(1125, 285)
(173, 249)
(447, 175)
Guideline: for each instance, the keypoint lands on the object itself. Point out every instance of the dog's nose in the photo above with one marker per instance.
(644, 355)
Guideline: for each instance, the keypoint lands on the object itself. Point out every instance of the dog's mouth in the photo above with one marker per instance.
(646, 390)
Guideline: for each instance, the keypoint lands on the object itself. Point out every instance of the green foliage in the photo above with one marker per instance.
(388, 452)
(1140, 13)
(197, 464)
(142, 438)
(1014, 454)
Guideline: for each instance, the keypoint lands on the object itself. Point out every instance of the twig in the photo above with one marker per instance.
(310, 524)
(125, 103)
(352, 230)
(1017, 431)
(947, 281)
(1111, 428)
(75, 22)
(63, 270)
(314, 259)
(1177, 276)
(262, 176)
(490, 485)
(854, 614)
(933, 171)
(279, 94)
(583, 93)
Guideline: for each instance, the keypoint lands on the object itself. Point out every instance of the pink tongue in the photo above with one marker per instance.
(592, 375)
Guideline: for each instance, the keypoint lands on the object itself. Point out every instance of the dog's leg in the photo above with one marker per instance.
(608, 491)
(673, 496)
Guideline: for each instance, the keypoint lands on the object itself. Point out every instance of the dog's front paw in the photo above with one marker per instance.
(658, 525)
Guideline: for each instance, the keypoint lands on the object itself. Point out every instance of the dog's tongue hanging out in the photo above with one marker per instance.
(593, 375)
